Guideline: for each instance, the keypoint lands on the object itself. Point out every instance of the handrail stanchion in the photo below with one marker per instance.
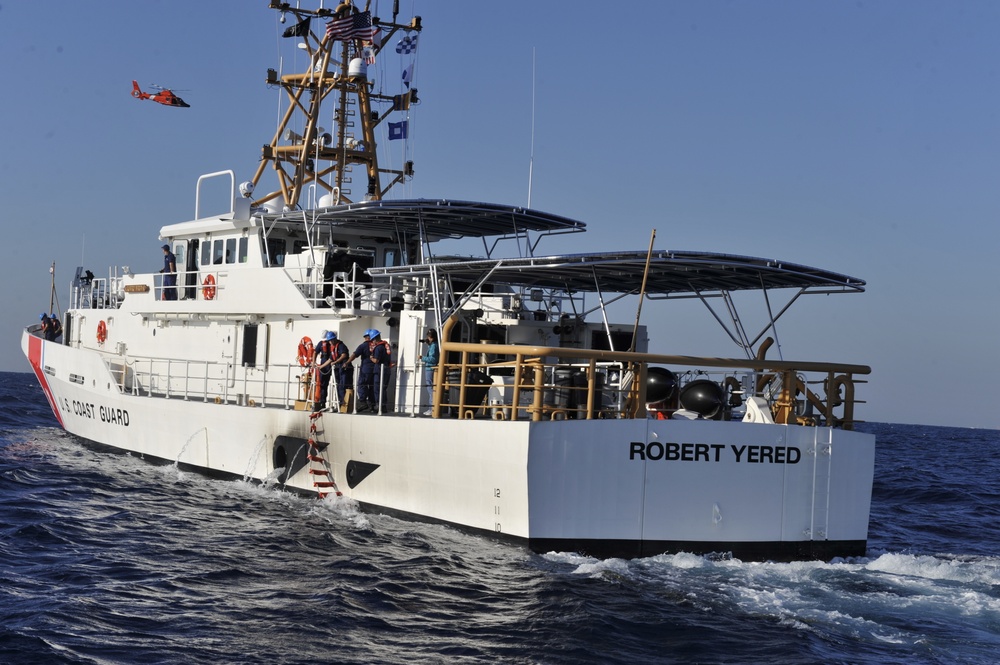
(591, 387)
(461, 385)
(515, 399)
(536, 405)
(288, 382)
(848, 383)
(830, 388)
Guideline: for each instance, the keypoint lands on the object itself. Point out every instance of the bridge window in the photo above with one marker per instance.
(276, 251)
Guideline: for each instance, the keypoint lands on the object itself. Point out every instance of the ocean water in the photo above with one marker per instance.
(108, 559)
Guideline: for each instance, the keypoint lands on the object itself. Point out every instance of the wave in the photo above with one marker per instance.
(944, 607)
(22, 403)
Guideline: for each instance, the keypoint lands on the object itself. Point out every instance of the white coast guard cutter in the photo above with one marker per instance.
(548, 423)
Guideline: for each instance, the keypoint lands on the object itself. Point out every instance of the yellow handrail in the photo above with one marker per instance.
(531, 360)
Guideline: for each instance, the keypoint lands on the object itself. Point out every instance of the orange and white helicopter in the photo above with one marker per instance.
(164, 96)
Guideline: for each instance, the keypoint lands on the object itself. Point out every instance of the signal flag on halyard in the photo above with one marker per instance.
(368, 55)
(397, 130)
(407, 73)
(402, 102)
(407, 44)
(354, 26)
(300, 29)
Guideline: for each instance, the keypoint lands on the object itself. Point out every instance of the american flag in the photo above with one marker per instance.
(353, 26)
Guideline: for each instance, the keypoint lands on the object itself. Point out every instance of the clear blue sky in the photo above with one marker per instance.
(861, 137)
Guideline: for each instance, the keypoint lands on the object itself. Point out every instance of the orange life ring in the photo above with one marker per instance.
(305, 351)
(102, 332)
(208, 290)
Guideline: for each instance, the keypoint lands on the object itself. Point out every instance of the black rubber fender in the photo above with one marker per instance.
(291, 453)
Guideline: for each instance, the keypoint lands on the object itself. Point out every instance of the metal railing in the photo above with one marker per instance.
(279, 386)
(517, 382)
(543, 383)
(346, 290)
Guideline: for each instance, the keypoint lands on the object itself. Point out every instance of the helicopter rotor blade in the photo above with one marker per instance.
(160, 87)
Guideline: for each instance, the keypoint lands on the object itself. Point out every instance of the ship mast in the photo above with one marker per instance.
(316, 156)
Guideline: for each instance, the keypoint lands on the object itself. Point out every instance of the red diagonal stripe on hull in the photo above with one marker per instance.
(35, 348)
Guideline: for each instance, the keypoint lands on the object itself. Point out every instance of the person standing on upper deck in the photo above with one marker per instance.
(169, 274)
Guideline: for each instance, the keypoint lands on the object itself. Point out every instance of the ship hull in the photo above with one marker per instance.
(614, 487)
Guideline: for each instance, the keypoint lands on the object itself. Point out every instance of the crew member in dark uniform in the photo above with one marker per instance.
(366, 374)
(323, 358)
(169, 274)
(55, 328)
(343, 370)
(381, 364)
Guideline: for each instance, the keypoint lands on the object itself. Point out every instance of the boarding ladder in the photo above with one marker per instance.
(319, 467)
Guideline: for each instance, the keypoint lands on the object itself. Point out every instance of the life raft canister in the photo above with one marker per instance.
(208, 288)
(305, 351)
(102, 332)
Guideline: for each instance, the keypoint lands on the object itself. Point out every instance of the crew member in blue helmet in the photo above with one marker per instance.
(46, 324)
(382, 363)
(366, 374)
(55, 328)
(323, 358)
